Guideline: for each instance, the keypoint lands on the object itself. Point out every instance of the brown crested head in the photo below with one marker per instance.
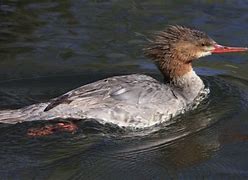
(175, 48)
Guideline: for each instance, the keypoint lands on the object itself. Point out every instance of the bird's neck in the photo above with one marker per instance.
(174, 69)
(188, 86)
(181, 77)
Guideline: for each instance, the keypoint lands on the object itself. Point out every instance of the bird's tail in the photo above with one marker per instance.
(28, 113)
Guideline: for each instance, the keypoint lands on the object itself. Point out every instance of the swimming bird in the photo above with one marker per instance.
(137, 100)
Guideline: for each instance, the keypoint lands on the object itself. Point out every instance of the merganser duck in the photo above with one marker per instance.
(136, 100)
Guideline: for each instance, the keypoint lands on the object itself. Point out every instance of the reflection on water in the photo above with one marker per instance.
(48, 48)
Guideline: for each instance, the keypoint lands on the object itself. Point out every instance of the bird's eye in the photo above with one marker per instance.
(202, 44)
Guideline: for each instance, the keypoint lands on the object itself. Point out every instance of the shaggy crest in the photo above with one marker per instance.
(163, 40)
(175, 48)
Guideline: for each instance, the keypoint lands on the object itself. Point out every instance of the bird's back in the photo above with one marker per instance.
(131, 100)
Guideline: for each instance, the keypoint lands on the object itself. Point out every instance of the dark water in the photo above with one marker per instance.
(50, 47)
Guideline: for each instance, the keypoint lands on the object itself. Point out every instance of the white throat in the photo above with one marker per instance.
(189, 85)
(202, 54)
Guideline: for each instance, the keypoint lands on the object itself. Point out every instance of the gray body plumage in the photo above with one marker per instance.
(131, 101)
